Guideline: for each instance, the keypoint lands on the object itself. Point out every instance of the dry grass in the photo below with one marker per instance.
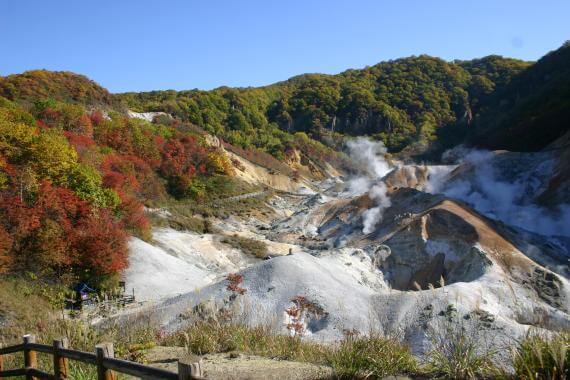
(28, 306)
(249, 246)
(356, 357)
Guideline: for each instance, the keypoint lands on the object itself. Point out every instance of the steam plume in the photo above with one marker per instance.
(369, 158)
(504, 194)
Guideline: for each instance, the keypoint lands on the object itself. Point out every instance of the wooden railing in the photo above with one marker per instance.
(188, 367)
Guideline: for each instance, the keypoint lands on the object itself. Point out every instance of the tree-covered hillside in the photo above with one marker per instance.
(73, 183)
(75, 171)
(529, 111)
(401, 102)
(412, 103)
(62, 86)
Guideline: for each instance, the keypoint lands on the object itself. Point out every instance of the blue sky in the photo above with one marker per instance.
(149, 45)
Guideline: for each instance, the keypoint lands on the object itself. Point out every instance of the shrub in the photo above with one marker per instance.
(87, 183)
(234, 284)
(185, 223)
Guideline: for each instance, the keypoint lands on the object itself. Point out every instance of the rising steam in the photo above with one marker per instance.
(369, 159)
(511, 200)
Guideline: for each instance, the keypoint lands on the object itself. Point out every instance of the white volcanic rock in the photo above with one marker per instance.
(372, 283)
(500, 279)
(178, 262)
(148, 116)
(153, 273)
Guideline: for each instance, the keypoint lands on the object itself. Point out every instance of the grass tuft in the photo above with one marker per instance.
(538, 357)
(371, 357)
(362, 357)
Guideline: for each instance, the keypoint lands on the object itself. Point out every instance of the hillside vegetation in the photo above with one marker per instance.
(531, 110)
(62, 86)
(73, 183)
(414, 103)
(402, 102)
(75, 172)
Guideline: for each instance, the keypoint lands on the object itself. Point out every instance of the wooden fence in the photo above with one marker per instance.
(103, 358)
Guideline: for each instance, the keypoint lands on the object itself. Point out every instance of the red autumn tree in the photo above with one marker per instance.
(57, 231)
(80, 142)
(99, 244)
(181, 157)
(5, 247)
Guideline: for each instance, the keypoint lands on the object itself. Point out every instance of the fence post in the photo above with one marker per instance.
(190, 367)
(59, 362)
(1, 359)
(104, 350)
(30, 360)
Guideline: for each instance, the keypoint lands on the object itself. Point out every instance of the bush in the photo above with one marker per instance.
(184, 223)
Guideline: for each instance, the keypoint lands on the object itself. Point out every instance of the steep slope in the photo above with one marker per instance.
(530, 111)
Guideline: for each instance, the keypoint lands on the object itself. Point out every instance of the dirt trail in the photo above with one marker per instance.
(236, 366)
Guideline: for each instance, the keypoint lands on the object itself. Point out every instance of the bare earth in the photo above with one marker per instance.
(235, 366)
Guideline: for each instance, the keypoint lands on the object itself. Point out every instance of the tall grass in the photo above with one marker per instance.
(353, 357)
(371, 357)
(540, 357)
(460, 348)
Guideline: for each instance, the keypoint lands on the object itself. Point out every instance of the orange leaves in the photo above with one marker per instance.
(57, 230)
(234, 282)
(181, 157)
(99, 244)
(5, 246)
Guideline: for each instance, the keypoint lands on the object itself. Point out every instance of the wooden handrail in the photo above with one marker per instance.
(138, 370)
(13, 372)
(11, 349)
(189, 368)
(80, 356)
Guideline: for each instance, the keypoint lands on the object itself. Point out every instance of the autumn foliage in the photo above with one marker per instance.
(73, 185)
(234, 284)
(53, 231)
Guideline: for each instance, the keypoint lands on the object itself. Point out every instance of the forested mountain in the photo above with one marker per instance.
(75, 171)
(410, 102)
(529, 111)
(401, 102)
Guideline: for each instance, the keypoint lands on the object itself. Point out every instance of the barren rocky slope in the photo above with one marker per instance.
(395, 248)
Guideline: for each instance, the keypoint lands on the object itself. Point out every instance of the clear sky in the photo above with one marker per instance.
(136, 45)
